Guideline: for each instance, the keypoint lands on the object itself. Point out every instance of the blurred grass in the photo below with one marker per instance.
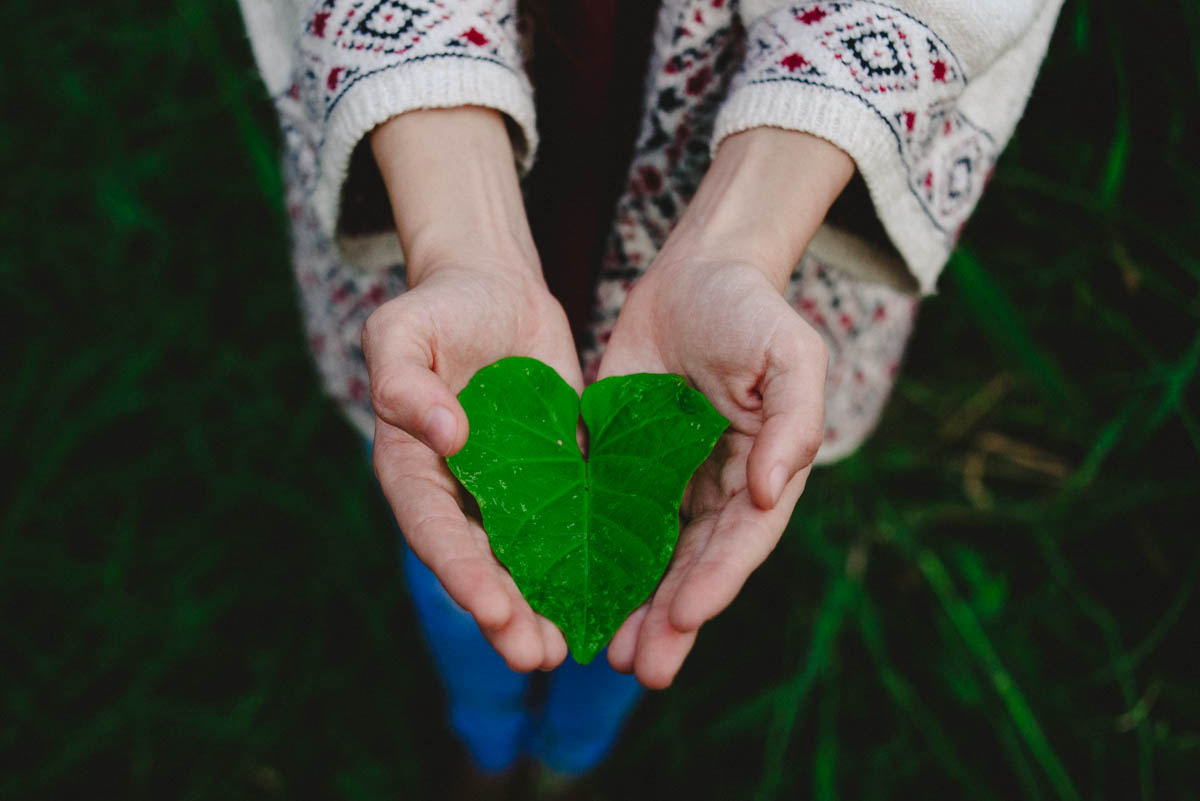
(198, 594)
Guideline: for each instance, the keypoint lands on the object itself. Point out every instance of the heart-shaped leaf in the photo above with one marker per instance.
(585, 541)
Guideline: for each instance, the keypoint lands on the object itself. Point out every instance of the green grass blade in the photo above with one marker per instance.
(1024, 772)
(1106, 439)
(1111, 633)
(260, 148)
(981, 648)
(825, 756)
(837, 601)
(905, 696)
(1112, 179)
(995, 313)
(1177, 381)
(1081, 28)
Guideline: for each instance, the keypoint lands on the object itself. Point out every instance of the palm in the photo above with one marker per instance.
(421, 349)
(730, 333)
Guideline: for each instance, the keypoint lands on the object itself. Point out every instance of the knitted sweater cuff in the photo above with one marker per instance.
(882, 85)
(437, 81)
(857, 129)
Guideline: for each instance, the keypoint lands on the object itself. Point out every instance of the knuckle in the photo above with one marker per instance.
(379, 466)
(370, 332)
(798, 342)
(808, 444)
(387, 395)
(813, 344)
(388, 458)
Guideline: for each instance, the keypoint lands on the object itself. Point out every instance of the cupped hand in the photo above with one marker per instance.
(476, 295)
(421, 348)
(725, 326)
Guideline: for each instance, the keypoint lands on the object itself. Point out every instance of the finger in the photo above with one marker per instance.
(793, 393)
(519, 641)
(405, 391)
(661, 648)
(742, 539)
(423, 499)
(623, 647)
(554, 646)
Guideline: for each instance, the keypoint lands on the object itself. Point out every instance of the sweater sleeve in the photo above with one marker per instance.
(923, 95)
(338, 68)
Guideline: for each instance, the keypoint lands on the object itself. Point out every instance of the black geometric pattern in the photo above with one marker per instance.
(876, 53)
(349, 41)
(390, 19)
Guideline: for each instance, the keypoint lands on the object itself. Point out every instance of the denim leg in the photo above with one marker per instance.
(486, 698)
(586, 706)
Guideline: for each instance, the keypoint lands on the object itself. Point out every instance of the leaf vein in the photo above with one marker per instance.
(657, 501)
(542, 506)
(630, 537)
(511, 461)
(522, 424)
(599, 435)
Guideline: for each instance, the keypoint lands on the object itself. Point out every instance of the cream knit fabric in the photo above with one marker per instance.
(923, 94)
(355, 64)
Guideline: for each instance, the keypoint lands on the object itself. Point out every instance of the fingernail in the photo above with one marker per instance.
(776, 482)
(439, 429)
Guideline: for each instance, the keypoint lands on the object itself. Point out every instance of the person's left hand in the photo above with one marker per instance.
(728, 330)
(711, 308)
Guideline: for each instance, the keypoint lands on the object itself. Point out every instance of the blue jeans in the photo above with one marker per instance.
(572, 730)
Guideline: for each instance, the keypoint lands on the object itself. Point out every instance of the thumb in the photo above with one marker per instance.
(405, 391)
(793, 408)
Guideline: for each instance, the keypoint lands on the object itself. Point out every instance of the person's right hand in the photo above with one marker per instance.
(421, 349)
(476, 295)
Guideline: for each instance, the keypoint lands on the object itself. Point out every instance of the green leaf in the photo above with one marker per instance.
(585, 541)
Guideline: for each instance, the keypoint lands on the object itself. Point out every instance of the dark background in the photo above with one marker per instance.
(198, 590)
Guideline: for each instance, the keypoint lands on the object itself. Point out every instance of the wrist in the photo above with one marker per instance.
(454, 190)
(474, 255)
(760, 202)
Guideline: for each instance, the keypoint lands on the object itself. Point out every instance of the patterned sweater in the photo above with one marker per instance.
(922, 94)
